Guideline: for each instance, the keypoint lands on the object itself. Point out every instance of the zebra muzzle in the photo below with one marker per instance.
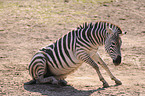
(117, 61)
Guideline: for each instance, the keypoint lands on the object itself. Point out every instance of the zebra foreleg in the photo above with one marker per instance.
(98, 59)
(95, 66)
(87, 59)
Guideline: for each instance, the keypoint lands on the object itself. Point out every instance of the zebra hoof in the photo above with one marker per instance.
(30, 82)
(105, 85)
(118, 82)
(63, 82)
(55, 82)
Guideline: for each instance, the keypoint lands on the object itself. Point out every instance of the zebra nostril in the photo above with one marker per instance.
(117, 61)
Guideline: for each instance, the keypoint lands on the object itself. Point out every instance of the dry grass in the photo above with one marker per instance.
(27, 25)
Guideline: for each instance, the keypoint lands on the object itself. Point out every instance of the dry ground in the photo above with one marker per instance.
(27, 25)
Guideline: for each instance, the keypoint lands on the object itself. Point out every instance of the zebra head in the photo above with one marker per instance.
(113, 45)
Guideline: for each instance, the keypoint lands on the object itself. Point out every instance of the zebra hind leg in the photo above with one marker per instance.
(60, 82)
(41, 80)
(50, 79)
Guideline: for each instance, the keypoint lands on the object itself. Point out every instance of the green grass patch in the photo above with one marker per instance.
(1, 5)
(53, 11)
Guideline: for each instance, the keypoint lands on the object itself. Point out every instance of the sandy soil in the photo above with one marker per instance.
(27, 25)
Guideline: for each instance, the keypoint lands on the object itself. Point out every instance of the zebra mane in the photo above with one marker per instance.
(85, 25)
(111, 25)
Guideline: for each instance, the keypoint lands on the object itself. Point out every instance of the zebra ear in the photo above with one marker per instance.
(109, 30)
(124, 32)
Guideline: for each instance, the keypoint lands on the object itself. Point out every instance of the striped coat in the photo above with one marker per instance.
(68, 53)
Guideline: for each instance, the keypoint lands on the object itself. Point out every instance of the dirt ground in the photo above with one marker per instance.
(27, 25)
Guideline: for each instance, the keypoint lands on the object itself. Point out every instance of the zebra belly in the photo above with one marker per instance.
(64, 71)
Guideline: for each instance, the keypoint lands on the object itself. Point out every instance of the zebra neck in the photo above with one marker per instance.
(96, 33)
(100, 37)
(92, 36)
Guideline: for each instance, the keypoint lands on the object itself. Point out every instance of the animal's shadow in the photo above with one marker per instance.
(54, 90)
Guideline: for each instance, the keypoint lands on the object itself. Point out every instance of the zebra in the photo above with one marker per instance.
(52, 64)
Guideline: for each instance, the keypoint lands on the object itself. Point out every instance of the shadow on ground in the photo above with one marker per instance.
(53, 90)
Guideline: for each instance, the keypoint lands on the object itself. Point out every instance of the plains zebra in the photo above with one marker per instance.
(53, 63)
